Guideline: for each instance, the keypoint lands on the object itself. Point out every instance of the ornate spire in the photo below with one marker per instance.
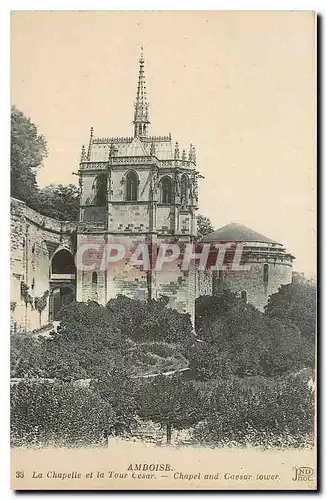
(141, 119)
(183, 156)
(176, 152)
(90, 144)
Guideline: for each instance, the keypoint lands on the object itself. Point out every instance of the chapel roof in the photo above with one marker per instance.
(238, 233)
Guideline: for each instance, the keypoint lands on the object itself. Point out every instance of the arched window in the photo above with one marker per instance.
(94, 286)
(166, 190)
(63, 262)
(265, 273)
(100, 186)
(131, 186)
(184, 186)
(244, 295)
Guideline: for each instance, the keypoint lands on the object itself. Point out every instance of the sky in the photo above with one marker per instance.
(240, 86)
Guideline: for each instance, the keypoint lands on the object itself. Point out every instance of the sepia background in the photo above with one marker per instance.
(239, 85)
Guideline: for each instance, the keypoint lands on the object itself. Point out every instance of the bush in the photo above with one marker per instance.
(117, 389)
(148, 321)
(57, 413)
(296, 302)
(257, 411)
(245, 342)
(162, 349)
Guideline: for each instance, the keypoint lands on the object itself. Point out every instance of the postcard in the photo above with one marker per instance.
(163, 250)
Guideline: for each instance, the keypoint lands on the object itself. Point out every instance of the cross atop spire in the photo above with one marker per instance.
(141, 119)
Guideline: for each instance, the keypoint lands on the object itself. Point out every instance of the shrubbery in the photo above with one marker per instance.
(237, 339)
(257, 411)
(246, 365)
(57, 413)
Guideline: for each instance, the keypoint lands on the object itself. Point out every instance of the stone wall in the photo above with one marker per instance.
(133, 280)
(128, 217)
(257, 291)
(251, 282)
(34, 239)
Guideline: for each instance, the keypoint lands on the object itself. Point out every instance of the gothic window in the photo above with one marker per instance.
(100, 190)
(184, 186)
(94, 278)
(265, 273)
(131, 186)
(166, 188)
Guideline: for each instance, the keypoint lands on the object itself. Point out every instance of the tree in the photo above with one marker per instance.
(237, 339)
(296, 302)
(171, 402)
(148, 321)
(118, 390)
(60, 202)
(28, 150)
(208, 308)
(204, 226)
(40, 304)
(86, 332)
(27, 297)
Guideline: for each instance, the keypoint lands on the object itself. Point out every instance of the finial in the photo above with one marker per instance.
(90, 144)
(142, 54)
(176, 152)
(83, 154)
(183, 155)
(190, 155)
(194, 155)
(152, 148)
(112, 150)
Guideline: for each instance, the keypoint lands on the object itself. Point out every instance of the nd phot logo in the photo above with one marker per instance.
(303, 474)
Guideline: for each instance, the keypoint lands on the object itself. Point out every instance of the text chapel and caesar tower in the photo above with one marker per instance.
(136, 190)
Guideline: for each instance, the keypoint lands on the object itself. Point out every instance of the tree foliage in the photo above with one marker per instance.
(58, 201)
(204, 226)
(148, 321)
(171, 402)
(295, 302)
(118, 390)
(45, 413)
(92, 339)
(237, 339)
(28, 149)
(257, 411)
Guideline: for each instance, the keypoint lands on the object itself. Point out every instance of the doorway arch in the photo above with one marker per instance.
(61, 295)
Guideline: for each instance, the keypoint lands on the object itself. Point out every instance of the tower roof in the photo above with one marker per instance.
(100, 149)
(236, 232)
(141, 118)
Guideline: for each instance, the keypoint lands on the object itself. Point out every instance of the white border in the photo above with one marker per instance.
(5, 8)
